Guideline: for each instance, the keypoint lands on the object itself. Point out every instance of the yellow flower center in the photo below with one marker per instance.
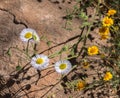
(39, 61)
(92, 50)
(28, 35)
(63, 66)
(102, 29)
(107, 21)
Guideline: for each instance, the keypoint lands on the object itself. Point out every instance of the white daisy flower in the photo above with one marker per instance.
(29, 34)
(40, 61)
(63, 67)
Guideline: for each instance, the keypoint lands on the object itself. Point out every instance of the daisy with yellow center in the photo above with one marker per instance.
(29, 34)
(93, 50)
(40, 61)
(107, 21)
(111, 12)
(81, 85)
(108, 76)
(63, 67)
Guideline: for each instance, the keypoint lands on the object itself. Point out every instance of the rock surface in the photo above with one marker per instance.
(46, 17)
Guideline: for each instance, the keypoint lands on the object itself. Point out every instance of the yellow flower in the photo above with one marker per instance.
(93, 50)
(81, 85)
(111, 12)
(104, 36)
(103, 30)
(86, 64)
(107, 21)
(108, 76)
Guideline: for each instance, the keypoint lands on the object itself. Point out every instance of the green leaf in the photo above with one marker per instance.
(72, 52)
(43, 38)
(78, 0)
(49, 43)
(18, 67)
(9, 52)
(85, 24)
(65, 48)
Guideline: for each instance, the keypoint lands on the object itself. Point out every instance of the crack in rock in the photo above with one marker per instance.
(15, 21)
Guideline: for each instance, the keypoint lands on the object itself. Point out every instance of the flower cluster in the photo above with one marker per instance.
(107, 22)
(41, 61)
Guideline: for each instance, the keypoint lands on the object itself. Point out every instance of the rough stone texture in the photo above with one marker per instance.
(46, 18)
